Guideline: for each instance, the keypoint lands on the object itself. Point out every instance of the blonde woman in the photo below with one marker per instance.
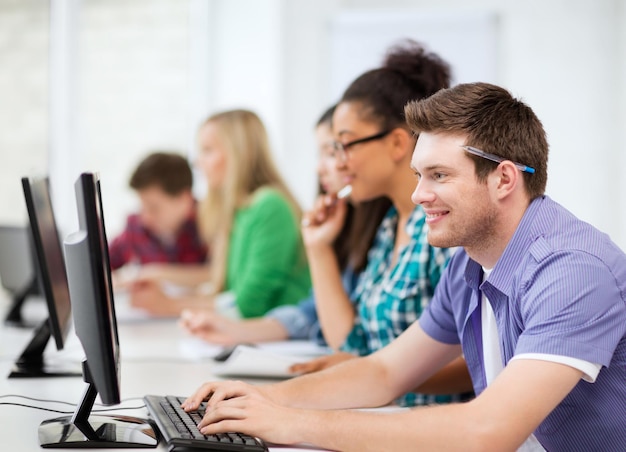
(251, 223)
(350, 248)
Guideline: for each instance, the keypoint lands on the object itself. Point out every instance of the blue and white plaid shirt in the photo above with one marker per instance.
(390, 298)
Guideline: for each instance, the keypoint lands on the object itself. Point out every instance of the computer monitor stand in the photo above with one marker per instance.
(14, 315)
(85, 431)
(31, 363)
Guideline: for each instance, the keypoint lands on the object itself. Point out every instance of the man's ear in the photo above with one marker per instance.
(505, 179)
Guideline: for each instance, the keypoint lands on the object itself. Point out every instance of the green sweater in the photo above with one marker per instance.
(267, 265)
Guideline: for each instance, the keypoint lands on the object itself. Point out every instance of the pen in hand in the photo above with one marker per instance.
(344, 192)
(341, 194)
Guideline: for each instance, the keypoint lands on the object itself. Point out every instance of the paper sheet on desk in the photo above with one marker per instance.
(302, 349)
(246, 361)
(268, 359)
(198, 349)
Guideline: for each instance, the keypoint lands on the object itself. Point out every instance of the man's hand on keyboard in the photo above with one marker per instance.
(234, 406)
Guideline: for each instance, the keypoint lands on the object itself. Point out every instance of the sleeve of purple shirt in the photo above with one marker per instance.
(571, 306)
(438, 320)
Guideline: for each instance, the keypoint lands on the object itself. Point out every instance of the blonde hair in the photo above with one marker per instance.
(249, 167)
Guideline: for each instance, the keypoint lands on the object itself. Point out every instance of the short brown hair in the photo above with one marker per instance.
(169, 171)
(494, 121)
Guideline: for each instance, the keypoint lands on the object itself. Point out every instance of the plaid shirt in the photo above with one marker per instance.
(137, 244)
(389, 299)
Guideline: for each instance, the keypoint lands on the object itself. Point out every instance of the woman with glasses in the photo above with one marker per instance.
(373, 147)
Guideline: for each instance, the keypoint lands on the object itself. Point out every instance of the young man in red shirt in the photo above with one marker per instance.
(165, 230)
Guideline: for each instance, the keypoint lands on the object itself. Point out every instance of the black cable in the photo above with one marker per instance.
(65, 403)
(100, 410)
(60, 401)
(35, 407)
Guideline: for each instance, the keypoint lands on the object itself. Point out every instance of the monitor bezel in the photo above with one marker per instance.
(34, 189)
(91, 226)
(32, 361)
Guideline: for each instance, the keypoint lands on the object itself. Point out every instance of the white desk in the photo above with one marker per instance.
(151, 364)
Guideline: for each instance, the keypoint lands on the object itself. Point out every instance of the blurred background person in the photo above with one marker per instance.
(250, 221)
(164, 230)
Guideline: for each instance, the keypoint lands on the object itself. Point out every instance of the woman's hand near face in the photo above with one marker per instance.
(323, 223)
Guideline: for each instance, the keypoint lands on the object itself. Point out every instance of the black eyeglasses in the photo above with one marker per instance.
(341, 149)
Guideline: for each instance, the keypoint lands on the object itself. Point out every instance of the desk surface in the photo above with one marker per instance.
(152, 363)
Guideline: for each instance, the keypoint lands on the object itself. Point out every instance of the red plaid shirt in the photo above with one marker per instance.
(137, 244)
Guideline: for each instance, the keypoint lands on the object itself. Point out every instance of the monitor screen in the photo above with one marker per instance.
(50, 267)
(87, 261)
(17, 271)
(89, 277)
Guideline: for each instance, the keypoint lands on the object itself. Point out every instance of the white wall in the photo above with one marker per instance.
(132, 90)
(140, 59)
(618, 173)
(23, 100)
(564, 58)
(570, 75)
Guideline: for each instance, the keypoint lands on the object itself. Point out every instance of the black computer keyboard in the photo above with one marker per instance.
(179, 428)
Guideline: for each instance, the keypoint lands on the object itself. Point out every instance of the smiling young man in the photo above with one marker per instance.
(535, 300)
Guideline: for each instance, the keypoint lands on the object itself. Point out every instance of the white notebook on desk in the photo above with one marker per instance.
(247, 361)
(268, 359)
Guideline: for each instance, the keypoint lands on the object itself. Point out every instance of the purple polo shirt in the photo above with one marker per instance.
(559, 288)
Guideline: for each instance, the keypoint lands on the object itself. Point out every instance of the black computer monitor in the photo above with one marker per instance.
(50, 267)
(89, 276)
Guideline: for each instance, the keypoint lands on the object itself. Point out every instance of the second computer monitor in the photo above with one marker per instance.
(50, 266)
